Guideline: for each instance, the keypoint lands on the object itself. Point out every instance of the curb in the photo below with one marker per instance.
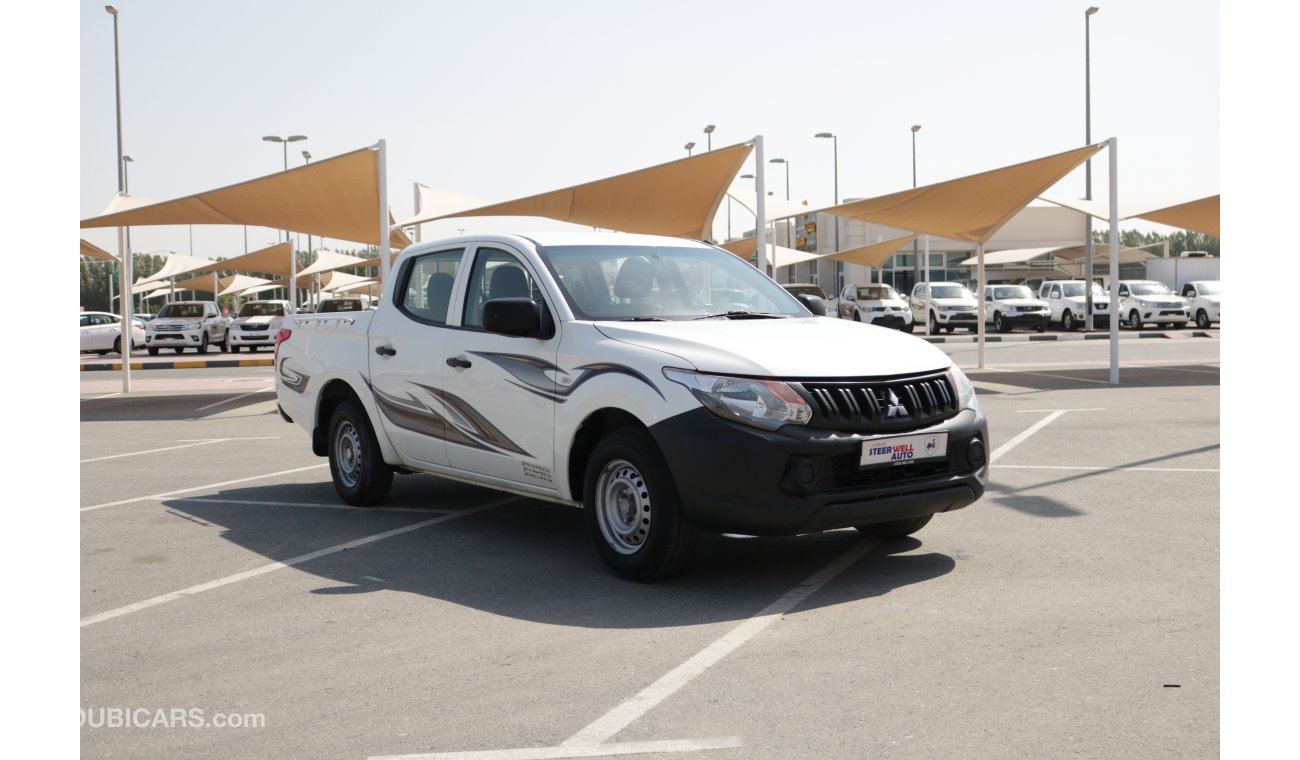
(1067, 337)
(192, 364)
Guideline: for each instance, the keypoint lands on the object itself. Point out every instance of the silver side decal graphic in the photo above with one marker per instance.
(294, 381)
(530, 373)
(453, 421)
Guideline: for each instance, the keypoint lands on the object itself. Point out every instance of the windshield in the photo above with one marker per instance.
(259, 309)
(174, 310)
(877, 293)
(1149, 289)
(950, 290)
(1011, 291)
(1208, 288)
(651, 282)
(1075, 289)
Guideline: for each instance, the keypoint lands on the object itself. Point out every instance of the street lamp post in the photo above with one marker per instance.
(306, 159)
(123, 249)
(1087, 190)
(689, 146)
(293, 257)
(787, 174)
(708, 131)
(835, 146)
(916, 262)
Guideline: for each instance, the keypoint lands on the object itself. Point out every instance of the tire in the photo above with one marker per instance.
(1135, 320)
(234, 349)
(117, 345)
(225, 343)
(909, 327)
(1041, 328)
(357, 466)
(931, 324)
(856, 318)
(632, 509)
(101, 352)
(997, 322)
(179, 350)
(950, 328)
(1067, 321)
(895, 528)
(203, 344)
(152, 351)
(1202, 319)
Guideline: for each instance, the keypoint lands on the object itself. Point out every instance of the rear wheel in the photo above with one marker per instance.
(632, 509)
(895, 528)
(1202, 319)
(360, 475)
(117, 345)
(909, 327)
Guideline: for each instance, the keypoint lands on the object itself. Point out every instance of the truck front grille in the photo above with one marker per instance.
(880, 404)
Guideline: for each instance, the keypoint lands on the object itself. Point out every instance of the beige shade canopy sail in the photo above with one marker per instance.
(330, 260)
(969, 208)
(236, 284)
(177, 264)
(779, 256)
(677, 199)
(95, 252)
(335, 198)
(273, 259)
(1199, 216)
(874, 255)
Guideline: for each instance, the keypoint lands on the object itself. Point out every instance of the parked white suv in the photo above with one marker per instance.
(1202, 301)
(1146, 301)
(944, 305)
(874, 304)
(1068, 303)
(257, 323)
(187, 324)
(101, 332)
(1010, 306)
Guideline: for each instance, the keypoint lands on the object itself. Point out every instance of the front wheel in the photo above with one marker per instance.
(152, 351)
(1067, 321)
(1134, 320)
(225, 343)
(895, 528)
(932, 324)
(234, 349)
(361, 476)
(909, 327)
(632, 509)
(1202, 319)
(998, 324)
(203, 344)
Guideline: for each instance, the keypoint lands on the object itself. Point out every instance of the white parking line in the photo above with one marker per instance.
(1047, 374)
(236, 398)
(156, 496)
(150, 451)
(237, 577)
(1014, 442)
(1104, 469)
(310, 505)
(593, 750)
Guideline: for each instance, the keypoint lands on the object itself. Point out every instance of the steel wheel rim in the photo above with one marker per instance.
(623, 507)
(348, 456)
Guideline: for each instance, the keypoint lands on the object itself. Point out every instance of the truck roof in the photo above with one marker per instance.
(567, 237)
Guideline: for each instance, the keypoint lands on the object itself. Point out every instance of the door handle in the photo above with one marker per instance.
(385, 350)
(455, 361)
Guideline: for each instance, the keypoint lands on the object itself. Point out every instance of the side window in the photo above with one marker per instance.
(496, 274)
(85, 320)
(427, 286)
(1056, 291)
(1123, 291)
(918, 291)
(1188, 291)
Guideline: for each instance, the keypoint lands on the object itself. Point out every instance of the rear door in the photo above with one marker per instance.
(406, 351)
(502, 387)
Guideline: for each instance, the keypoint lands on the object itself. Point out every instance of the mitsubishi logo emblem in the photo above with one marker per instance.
(894, 409)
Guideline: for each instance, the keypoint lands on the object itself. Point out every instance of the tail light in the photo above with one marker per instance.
(281, 336)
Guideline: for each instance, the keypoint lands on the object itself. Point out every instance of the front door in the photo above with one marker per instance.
(501, 388)
(406, 351)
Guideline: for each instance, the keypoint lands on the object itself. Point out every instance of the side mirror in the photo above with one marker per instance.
(813, 303)
(518, 317)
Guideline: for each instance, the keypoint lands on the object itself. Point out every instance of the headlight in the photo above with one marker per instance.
(1146, 304)
(766, 404)
(965, 390)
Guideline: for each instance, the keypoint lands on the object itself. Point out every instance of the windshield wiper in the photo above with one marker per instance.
(643, 319)
(743, 315)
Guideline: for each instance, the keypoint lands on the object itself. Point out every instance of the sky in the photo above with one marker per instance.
(501, 99)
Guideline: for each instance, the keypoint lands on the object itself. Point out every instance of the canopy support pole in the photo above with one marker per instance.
(927, 257)
(293, 277)
(383, 213)
(979, 297)
(124, 261)
(760, 220)
(1114, 264)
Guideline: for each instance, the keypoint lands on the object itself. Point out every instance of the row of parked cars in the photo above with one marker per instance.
(201, 326)
(946, 306)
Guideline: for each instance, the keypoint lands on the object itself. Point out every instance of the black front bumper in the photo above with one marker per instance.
(736, 479)
(1012, 321)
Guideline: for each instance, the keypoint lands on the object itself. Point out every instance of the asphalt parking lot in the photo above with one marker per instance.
(1071, 612)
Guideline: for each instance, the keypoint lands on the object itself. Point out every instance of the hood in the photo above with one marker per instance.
(893, 303)
(811, 347)
(1024, 302)
(176, 322)
(956, 301)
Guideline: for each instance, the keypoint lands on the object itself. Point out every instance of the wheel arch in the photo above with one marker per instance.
(334, 392)
(594, 427)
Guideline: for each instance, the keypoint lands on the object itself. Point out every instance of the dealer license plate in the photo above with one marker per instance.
(901, 449)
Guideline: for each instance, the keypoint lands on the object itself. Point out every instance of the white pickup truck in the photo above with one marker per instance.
(665, 385)
(874, 304)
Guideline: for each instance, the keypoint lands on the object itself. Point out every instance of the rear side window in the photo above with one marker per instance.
(427, 286)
